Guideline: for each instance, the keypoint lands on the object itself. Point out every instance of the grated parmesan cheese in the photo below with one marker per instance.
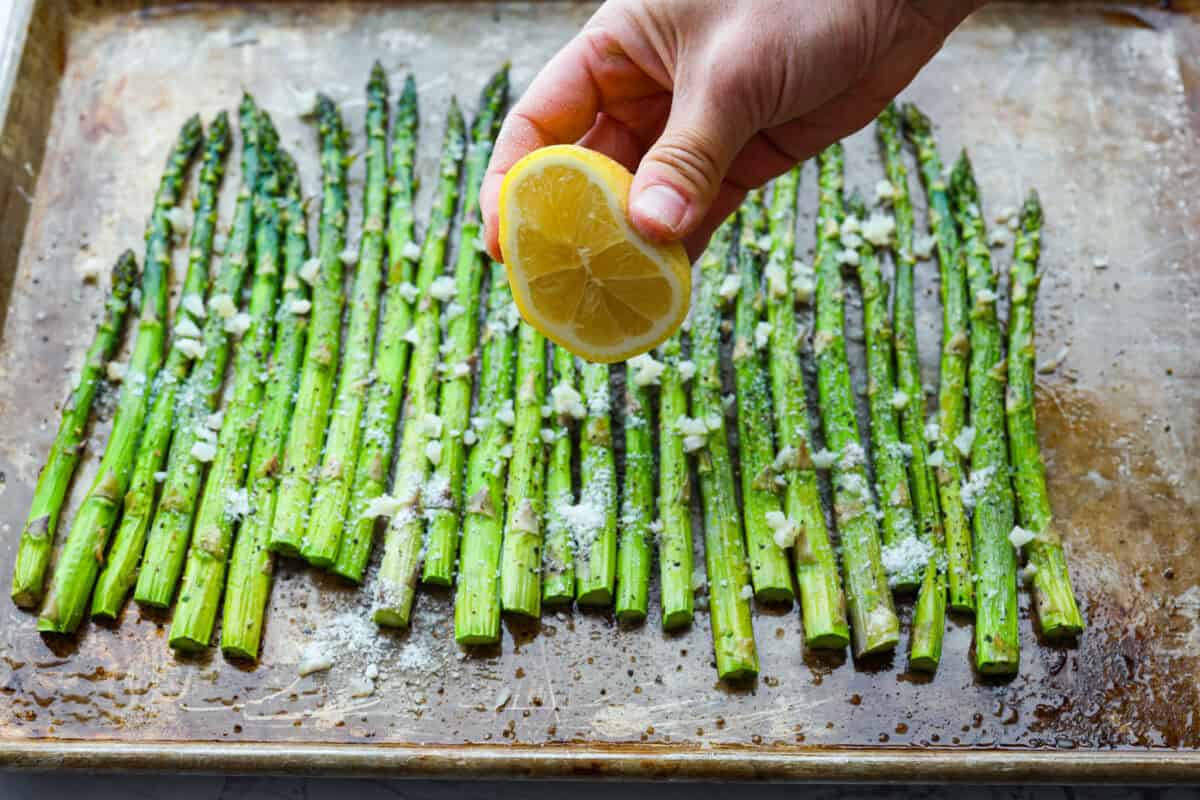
(687, 370)
(187, 329)
(964, 440)
(730, 287)
(310, 271)
(443, 288)
(785, 530)
(300, 307)
(923, 247)
(410, 251)
(1021, 537)
(114, 371)
(899, 400)
(433, 451)
(885, 192)
(567, 401)
(190, 348)
(238, 324)
(194, 305)
(879, 229)
(222, 305)
(762, 335)
(646, 370)
(204, 451)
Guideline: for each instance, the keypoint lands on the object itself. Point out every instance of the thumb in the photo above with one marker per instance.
(680, 175)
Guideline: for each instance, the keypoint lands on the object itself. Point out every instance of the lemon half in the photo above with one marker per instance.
(579, 272)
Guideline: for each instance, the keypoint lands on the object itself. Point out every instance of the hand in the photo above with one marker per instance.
(706, 99)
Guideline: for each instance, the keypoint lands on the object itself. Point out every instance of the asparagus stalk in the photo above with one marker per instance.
(902, 548)
(188, 417)
(252, 563)
(521, 549)
(997, 640)
(769, 567)
(822, 601)
(477, 601)
(441, 549)
(637, 504)
(385, 394)
(79, 562)
(724, 549)
(675, 560)
(225, 499)
(310, 416)
(929, 614)
(402, 547)
(558, 561)
(324, 535)
(952, 384)
(37, 538)
(1058, 613)
(873, 618)
(596, 545)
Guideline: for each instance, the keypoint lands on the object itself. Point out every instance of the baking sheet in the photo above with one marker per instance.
(1092, 106)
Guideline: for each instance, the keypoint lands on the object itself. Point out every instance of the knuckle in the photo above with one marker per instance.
(691, 156)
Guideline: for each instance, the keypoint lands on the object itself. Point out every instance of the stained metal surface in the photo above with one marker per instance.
(1095, 108)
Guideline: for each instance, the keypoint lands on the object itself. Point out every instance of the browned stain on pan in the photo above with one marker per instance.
(1094, 114)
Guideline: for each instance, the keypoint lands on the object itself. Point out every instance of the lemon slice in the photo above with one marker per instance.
(579, 272)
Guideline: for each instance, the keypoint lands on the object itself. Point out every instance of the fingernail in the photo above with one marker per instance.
(662, 205)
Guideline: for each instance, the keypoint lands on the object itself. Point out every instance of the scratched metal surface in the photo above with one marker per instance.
(1090, 107)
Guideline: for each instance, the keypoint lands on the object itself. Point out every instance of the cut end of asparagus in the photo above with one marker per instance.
(676, 620)
(390, 618)
(827, 640)
(186, 644)
(238, 652)
(25, 598)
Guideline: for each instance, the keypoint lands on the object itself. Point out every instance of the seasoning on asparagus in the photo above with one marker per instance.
(637, 492)
(675, 559)
(997, 640)
(822, 601)
(953, 372)
(558, 557)
(310, 417)
(191, 419)
(704, 434)
(521, 551)
(391, 358)
(444, 495)
(1057, 612)
(419, 445)
(251, 565)
(477, 601)
(595, 526)
(873, 620)
(769, 567)
(37, 538)
(81, 556)
(226, 499)
(905, 555)
(929, 612)
(324, 530)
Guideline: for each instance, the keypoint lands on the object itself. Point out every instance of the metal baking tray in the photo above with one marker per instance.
(1096, 106)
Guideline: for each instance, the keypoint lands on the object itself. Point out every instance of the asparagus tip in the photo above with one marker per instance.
(124, 272)
(916, 121)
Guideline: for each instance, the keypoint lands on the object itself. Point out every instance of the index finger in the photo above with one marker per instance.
(559, 107)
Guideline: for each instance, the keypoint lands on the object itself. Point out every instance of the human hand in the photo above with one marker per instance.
(706, 99)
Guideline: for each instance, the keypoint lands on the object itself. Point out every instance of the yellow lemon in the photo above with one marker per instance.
(579, 272)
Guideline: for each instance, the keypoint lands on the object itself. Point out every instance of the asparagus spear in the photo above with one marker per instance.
(951, 389)
(310, 416)
(769, 567)
(441, 547)
(558, 560)
(1058, 613)
(822, 601)
(675, 561)
(82, 553)
(724, 549)
(903, 550)
(997, 640)
(637, 505)
(521, 549)
(324, 535)
(873, 618)
(477, 602)
(37, 538)
(385, 394)
(168, 535)
(225, 499)
(252, 563)
(402, 547)
(596, 531)
(929, 614)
